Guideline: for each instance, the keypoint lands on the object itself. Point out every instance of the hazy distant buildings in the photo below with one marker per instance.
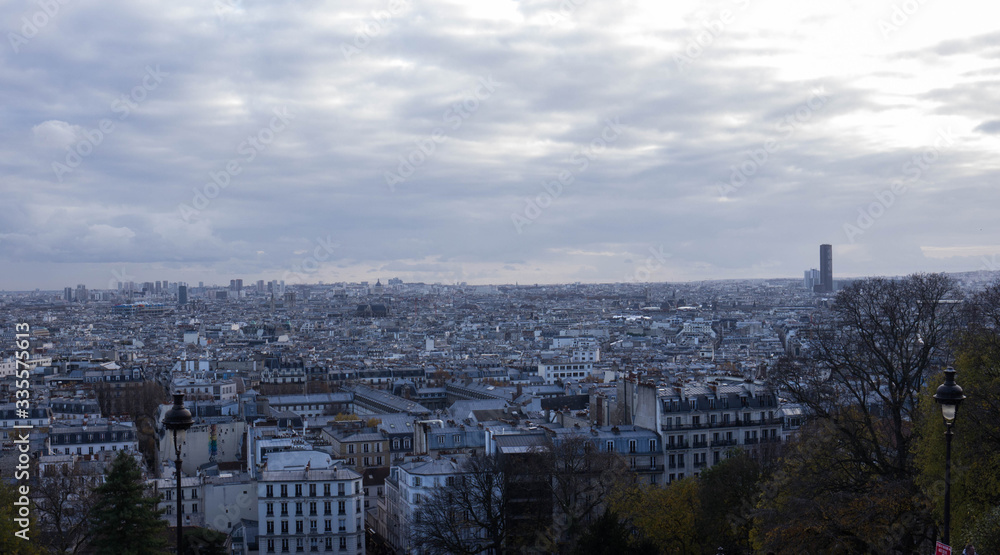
(812, 279)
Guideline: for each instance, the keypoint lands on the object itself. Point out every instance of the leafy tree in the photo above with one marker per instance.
(664, 515)
(816, 503)
(608, 535)
(729, 492)
(975, 484)
(871, 358)
(125, 520)
(848, 484)
(9, 542)
(204, 541)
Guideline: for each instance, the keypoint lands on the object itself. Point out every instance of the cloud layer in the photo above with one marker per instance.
(495, 141)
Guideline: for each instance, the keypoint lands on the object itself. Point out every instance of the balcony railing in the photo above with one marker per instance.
(723, 442)
(729, 424)
(699, 444)
(647, 468)
(681, 445)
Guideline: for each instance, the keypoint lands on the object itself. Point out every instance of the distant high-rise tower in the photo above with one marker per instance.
(826, 268)
(68, 294)
(182, 295)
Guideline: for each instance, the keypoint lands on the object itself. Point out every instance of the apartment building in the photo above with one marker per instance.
(309, 503)
(700, 422)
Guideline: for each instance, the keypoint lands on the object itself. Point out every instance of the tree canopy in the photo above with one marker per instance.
(125, 519)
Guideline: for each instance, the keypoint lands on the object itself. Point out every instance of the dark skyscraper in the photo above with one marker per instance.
(826, 268)
(182, 295)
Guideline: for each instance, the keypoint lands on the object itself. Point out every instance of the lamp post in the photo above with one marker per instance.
(177, 421)
(950, 395)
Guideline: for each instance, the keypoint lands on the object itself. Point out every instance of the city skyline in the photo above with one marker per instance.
(501, 142)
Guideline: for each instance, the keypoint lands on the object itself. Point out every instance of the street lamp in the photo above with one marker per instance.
(950, 395)
(177, 421)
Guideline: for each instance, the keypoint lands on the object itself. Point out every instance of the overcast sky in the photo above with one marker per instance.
(494, 141)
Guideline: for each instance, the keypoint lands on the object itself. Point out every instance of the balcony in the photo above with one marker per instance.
(729, 424)
(699, 444)
(700, 464)
(723, 442)
(681, 445)
(647, 468)
(750, 441)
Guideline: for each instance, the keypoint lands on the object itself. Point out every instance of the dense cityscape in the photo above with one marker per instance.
(499, 277)
(339, 417)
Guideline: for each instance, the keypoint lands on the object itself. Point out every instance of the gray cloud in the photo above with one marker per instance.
(221, 74)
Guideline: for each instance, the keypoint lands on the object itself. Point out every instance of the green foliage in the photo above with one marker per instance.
(664, 515)
(975, 484)
(204, 541)
(820, 500)
(9, 543)
(608, 535)
(125, 520)
(729, 492)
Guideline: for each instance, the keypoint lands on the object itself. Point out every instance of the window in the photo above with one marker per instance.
(368, 461)
(631, 446)
(340, 488)
(328, 544)
(610, 446)
(312, 490)
(298, 490)
(284, 526)
(270, 527)
(270, 546)
(440, 441)
(457, 439)
(416, 481)
(696, 420)
(378, 461)
(364, 447)
(194, 507)
(406, 443)
(298, 508)
(342, 525)
(298, 526)
(328, 525)
(327, 510)
(341, 507)
(350, 448)
(284, 509)
(270, 491)
(312, 526)
(326, 490)
(312, 508)
(343, 544)
(299, 544)
(395, 444)
(284, 545)
(284, 490)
